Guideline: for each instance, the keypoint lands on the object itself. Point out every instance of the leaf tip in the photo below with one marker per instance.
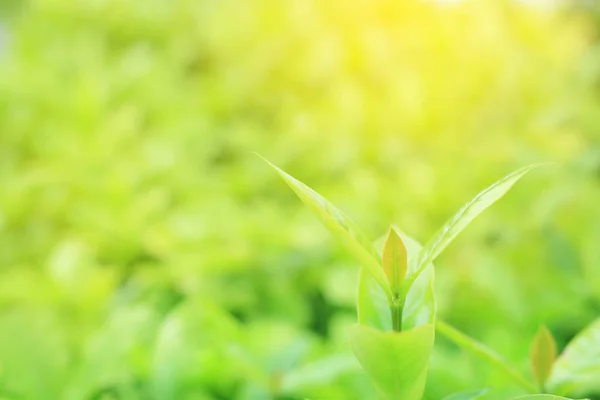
(263, 158)
(395, 260)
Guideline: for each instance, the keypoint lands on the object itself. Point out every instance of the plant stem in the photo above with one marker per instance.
(485, 353)
(397, 307)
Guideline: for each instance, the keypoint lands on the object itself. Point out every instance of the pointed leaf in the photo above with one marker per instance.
(397, 362)
(485, 353)
(419, 309)
(543, 354)
(465, 215)
(469, 395)
(577, 369)
(395, 260)
(182, 344)
(357, 243)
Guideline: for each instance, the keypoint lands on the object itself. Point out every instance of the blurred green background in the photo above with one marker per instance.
(147, 253)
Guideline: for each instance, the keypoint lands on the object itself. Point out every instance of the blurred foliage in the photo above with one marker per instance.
(146, 253)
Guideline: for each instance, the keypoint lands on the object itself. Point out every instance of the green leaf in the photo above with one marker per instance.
(577, 369)
(185, 351)
(542, 397)
(469, 395)
(318, 372)
(372, 305)
(397, 362)
(463, 217)
(482, 351)
(543, 354)
(357, 243)
(395, 260)
(419, 309)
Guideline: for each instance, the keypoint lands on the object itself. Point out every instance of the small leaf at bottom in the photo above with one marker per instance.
(397, 362)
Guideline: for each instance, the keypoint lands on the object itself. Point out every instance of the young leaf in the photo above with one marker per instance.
(543, 355)
(541, 397)
(419, 308)
(577, 369)
(485, 353)
(357, 243)
(470, 395)
(463, 217)
(397, 362)
(395, 260)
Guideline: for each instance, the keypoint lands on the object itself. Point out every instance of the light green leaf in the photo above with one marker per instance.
(469, 395)
(577, 369)
(372, 305)
(318, 372)
(485, 353)
(419, 309)
(542, 397)
(543, 354)
(463, 217)
(341, 227)
(395, 260)
(397, 362)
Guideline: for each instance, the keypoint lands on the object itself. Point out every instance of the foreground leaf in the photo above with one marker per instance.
(464, 216)
(543, 354)
(419, 309)
(577, 369)
(482, 351)
(397, 362)
(357, 243)
(470, 395)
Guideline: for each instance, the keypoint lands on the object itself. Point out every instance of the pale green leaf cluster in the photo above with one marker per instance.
(394, 338)
(396, 362)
